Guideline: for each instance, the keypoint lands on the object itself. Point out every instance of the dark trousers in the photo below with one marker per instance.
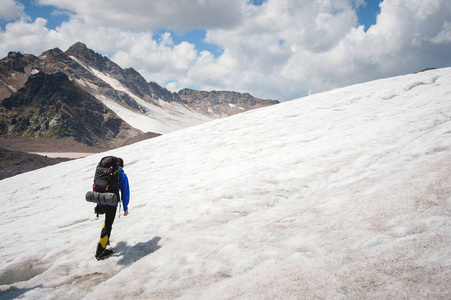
(105, 234)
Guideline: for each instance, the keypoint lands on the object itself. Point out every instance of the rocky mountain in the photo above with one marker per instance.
(222, 102)
(85, 95)
(51, 106)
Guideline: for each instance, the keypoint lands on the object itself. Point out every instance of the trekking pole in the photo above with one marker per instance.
(120, 208)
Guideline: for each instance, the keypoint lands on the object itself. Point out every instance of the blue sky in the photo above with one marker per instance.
(44, 11)
(194, 36)
(278, 49)
(33, 11)
(368, 12)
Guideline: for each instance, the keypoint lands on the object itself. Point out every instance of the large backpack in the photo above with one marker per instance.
(106, 178)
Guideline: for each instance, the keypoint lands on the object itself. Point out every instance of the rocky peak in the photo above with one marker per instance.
(160, 92)
(14, 55)
(15, 62)
(222, 102)
(80, 49)
(130, 78)
(55, 53)
(93, 59)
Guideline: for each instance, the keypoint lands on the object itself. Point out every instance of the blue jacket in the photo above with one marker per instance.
(125, 190)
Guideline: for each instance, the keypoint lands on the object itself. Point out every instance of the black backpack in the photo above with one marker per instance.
(107, 176)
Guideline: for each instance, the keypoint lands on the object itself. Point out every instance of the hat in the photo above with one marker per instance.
(121, 162)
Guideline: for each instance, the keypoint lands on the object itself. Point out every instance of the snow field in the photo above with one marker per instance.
(340, 195)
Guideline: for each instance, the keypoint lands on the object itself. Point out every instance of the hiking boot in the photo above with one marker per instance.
(105, 254)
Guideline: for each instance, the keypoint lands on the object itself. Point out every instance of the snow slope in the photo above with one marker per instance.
(340, 195)
(162, 117)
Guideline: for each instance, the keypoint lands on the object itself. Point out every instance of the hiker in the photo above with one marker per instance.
(110, 213)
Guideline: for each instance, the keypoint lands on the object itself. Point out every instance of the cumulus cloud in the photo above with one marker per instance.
(160, 60)
(282, 49)
(24, 36)
(402, 39)
(275, 43)
(10, 10)
(34, 37)
(151, 15)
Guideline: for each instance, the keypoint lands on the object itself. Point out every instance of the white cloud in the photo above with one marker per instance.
(401, 41)
(158, 61)
(444, 36)
(151, 15)
(25, 36)
(35, 37)
(279, 36)
(282, 49)
(10, 10)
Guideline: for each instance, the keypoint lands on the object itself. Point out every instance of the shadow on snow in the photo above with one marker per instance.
(130, 254)
(13, 292)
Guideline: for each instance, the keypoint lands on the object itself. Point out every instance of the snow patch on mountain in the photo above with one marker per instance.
(161, 117)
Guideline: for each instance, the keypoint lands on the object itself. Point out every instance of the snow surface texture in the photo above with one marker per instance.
(340, 195)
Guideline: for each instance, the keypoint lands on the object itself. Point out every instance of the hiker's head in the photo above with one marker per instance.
(121, 162)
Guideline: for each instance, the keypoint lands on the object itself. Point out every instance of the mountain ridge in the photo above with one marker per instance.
(146, 106)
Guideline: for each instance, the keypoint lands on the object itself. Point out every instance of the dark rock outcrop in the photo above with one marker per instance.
(51, 106)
